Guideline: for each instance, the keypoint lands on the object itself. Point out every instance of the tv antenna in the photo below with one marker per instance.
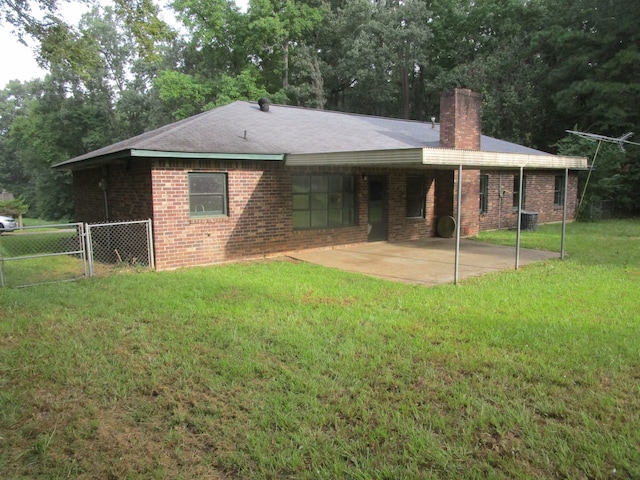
(621, 141)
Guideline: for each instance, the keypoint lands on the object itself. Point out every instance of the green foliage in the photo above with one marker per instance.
(186, 94)
(243, 87)
(13, 207)
(141, 18)
(614, 175)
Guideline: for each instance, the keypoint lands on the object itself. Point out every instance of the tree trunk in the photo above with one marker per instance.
(285, 66)
(404, 81)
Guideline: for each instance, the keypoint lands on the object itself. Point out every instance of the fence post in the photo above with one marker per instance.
(89, 249)
(152, 255)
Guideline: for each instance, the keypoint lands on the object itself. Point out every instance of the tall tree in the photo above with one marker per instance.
(13, 99)
(592, 49)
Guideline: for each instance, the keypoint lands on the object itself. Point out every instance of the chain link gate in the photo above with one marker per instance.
(55, 253)
(43, 254)
(119, 245)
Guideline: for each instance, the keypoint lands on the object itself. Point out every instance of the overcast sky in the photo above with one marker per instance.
(18, 61)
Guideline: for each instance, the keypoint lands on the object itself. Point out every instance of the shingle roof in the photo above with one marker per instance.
(242, 128)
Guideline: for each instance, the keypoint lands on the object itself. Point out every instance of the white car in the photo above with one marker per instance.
(7, 224)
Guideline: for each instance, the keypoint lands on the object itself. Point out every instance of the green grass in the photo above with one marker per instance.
(287, 370)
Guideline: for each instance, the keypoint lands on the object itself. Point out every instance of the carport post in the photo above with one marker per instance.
(564, 212)
(459, 216)
(519, 219)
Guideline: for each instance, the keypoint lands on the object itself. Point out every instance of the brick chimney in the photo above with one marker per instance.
(460, 129)
(460, 111)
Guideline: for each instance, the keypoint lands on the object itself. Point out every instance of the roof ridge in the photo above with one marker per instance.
(352, 114)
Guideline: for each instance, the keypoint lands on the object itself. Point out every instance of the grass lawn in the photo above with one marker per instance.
(286, 370)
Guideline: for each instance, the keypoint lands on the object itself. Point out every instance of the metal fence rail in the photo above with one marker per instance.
(54, 253)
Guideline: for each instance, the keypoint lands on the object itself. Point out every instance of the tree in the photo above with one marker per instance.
(13, 99)
(14, 208)
(275, 28)
(592, 50)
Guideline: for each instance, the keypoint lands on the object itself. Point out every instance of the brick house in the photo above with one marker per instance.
(251, 180)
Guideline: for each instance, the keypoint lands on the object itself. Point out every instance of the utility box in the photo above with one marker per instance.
(528, 221)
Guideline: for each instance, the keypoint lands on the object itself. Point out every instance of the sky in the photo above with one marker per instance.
(18, 61)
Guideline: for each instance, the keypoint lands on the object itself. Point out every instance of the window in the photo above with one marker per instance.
(321, 201)
(415, 197)
(484, 194)
(558, 192)
(208, 194)
(516, 191)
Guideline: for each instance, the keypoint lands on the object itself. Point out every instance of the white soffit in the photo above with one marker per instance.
(436, 157)
(405, 157)
(479, 159)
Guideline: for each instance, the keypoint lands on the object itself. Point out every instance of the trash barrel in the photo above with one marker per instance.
(529, 221)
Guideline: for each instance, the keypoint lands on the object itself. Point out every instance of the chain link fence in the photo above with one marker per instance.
(65, 252)
(596, 210)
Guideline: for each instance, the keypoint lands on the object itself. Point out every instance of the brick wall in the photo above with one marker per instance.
(128, 193)
(260, 213)
(470, 218)
(460, 112)
(539, 197)
(402, 228)
(259, 223)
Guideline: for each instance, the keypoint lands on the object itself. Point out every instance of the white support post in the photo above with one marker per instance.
(519, 219)
(564, 212)
(459, 217)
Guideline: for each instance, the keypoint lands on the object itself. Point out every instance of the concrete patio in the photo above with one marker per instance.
(427, 262)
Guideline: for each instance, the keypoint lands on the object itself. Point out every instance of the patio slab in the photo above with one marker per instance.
(426, 262)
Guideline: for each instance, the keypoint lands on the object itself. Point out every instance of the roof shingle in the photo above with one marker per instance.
(242, 128)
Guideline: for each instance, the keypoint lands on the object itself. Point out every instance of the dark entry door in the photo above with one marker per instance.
(377, 209)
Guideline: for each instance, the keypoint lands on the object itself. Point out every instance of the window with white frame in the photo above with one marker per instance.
(208, 194)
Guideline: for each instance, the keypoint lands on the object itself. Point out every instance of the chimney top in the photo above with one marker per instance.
(460, 111)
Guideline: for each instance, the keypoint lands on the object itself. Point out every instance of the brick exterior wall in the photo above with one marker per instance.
(259, 223)
(128, 193)
(469, 218)
(539, 198)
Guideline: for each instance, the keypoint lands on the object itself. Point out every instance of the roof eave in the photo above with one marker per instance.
(438, 158)
(483, 159)
(109, 159)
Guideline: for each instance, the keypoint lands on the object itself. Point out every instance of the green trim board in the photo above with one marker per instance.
(206, 155)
